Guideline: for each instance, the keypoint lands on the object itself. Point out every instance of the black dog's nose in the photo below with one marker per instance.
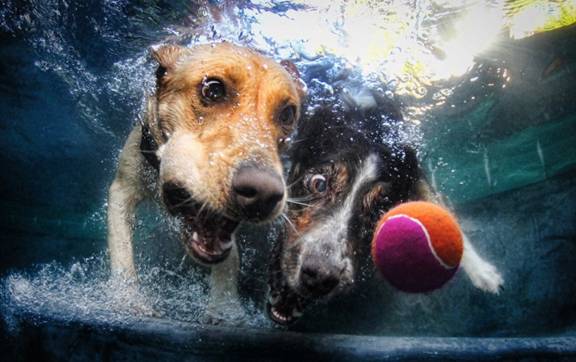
(257, 192)
(318, 280)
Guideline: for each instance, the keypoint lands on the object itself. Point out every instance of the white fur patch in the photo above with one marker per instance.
(160, 151)
(328, 238)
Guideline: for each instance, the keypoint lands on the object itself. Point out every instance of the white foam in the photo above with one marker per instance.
(83, 291)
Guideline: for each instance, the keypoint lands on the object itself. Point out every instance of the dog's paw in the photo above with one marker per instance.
(142, 308)
(213, 319)
(127, 296)
(231, 313)
(486, 277)
(218, 319)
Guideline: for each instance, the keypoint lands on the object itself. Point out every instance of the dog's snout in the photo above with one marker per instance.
(319, 280)
(257, 192)
(174, 196)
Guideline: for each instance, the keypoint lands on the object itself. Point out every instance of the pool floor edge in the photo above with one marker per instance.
(159, 340)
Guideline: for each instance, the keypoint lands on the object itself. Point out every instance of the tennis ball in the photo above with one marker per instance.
(417, 246)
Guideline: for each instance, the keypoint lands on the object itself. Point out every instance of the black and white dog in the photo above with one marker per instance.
(348, 167)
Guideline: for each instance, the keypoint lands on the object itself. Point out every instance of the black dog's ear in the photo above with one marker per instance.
(166, 56)
(412, 181)
(420, 188)
(314, 135)
(290, 67)
(398, 176)
(406, 167)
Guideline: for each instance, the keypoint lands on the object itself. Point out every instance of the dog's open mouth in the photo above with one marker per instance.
(207, 234)
(208, 237)
(284, 307)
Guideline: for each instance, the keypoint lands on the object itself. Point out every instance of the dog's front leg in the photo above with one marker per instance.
(121, 209)
(483, 275)
(224, 300)
(124, 195)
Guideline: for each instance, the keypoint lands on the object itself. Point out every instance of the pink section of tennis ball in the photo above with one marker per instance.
(404, 255)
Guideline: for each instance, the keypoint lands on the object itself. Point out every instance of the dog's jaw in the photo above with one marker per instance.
(207, 234)
(209, 246)
(284, 309)
(325, 243)
(283, 305)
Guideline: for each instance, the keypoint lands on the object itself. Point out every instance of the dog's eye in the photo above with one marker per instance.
(287, 116)
(213, 90)
(318, 184)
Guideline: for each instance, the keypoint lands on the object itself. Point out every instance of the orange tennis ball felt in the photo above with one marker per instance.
(417, 246)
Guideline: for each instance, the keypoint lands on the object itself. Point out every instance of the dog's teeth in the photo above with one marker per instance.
(195, 236)
(278, 316)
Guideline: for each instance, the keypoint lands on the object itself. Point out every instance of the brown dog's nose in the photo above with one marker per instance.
(318, 280)
(257, 192)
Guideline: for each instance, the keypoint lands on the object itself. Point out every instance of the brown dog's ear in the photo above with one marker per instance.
(166, 56)
(293, 71)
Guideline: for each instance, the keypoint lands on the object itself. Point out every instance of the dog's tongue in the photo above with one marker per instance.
(211, 239)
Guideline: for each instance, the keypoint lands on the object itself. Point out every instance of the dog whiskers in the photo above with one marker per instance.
(299, 140)
(289, 222)
(295, 182)
(302, 199)
(204, 204)
(292, 201)
(184, 202)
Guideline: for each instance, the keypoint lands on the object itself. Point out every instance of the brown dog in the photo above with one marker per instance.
(208, 150)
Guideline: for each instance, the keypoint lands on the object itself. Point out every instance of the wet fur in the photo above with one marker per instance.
(200, 145)
(368, 171)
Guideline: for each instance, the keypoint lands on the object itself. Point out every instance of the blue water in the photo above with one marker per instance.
(72, 82)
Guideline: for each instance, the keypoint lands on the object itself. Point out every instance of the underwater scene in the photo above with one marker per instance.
(468, 104)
